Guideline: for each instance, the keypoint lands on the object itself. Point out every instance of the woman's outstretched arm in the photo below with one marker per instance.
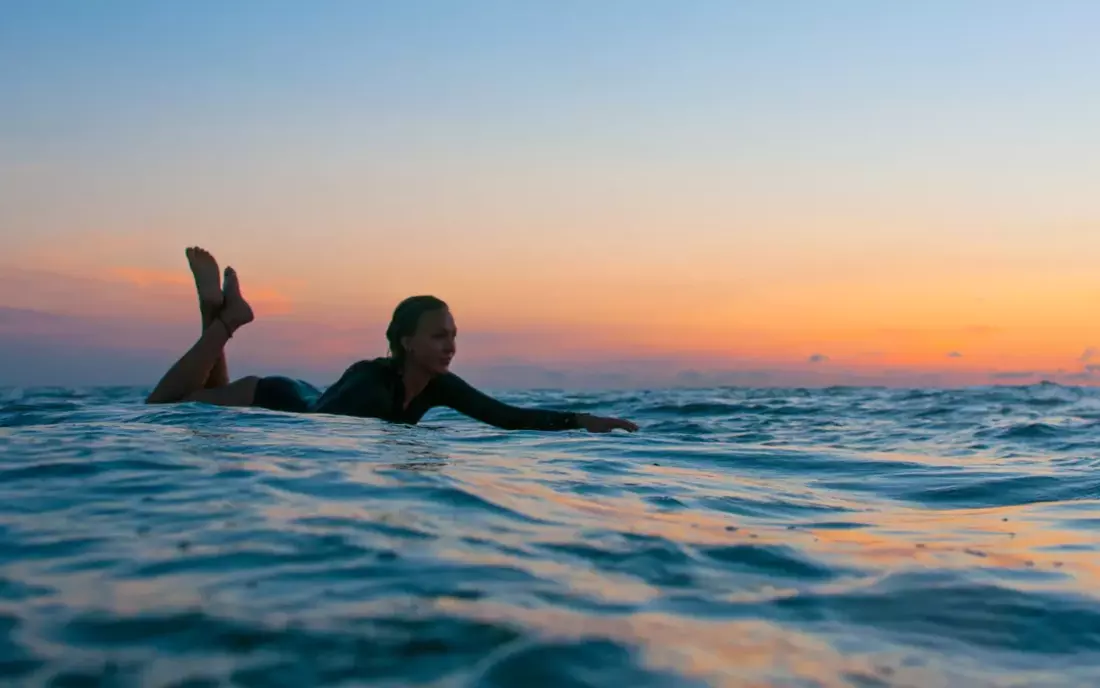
(459, 395)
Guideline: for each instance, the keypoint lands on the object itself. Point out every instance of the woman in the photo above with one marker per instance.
(400, 388)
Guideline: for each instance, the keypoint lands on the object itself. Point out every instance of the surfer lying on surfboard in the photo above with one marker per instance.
(401, 387)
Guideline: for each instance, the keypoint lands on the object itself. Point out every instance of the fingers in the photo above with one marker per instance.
(598, 424)
(603, 425)
(621, 424)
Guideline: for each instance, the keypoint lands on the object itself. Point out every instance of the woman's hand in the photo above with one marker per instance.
(600, 424)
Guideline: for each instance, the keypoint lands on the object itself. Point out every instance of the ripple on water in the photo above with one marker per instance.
(745, 537)
(944, 612)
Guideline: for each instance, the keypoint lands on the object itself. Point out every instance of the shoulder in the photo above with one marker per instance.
(361, 372)
(450, 381)
(382, 364)
(372, 367)
(449, 386)
(358, 390)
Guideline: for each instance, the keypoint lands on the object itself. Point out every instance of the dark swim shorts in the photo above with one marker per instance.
(278, 393)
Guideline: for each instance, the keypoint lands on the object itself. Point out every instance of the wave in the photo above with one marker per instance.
(769, 536)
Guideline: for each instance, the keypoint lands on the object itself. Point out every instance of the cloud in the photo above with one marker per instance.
(263, 298)
(49, 348)
(817, 358)
(955, 354)
(141, 277)
(1088, 373)
(140, 293)
(27, 363)
(20, 319)
(1089, 354)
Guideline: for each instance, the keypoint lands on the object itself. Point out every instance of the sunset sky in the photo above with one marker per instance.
(623, 192)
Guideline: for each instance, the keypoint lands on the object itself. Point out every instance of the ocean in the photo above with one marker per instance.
(744, 537)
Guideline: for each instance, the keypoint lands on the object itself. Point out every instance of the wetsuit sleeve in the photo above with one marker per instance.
(457, 394)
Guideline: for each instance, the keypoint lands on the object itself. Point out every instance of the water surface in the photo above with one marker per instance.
(862, 537)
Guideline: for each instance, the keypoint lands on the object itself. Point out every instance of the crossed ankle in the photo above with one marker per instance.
(229, 329)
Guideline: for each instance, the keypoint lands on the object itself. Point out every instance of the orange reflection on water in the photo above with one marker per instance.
(724, 653)
(538, 501)
(1006, 538)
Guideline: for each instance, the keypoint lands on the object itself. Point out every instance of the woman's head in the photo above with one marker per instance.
(422, 333)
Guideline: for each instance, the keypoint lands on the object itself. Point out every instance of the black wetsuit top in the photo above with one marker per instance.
(374, 389)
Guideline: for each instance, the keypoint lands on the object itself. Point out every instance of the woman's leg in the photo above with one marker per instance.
(189, 375)
(208, 285)
(237, 393)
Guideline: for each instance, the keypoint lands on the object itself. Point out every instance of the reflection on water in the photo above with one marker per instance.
(836, 537)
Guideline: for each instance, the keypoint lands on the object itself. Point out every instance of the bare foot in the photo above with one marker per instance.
(207, 281)
(236, 312)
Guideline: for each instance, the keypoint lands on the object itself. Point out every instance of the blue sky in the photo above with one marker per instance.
(723, 170)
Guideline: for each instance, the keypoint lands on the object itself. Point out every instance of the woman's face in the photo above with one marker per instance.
(432, 346)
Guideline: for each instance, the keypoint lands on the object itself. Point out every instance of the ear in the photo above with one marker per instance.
(405, 343)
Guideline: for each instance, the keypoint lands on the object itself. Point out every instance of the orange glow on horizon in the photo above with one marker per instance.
(956, 326)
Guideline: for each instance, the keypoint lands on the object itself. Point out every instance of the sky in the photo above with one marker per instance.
(617, 193)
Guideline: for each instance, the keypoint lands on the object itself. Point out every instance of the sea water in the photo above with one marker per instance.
(865, 537)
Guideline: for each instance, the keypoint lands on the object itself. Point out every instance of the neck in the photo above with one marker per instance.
(415, 380)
